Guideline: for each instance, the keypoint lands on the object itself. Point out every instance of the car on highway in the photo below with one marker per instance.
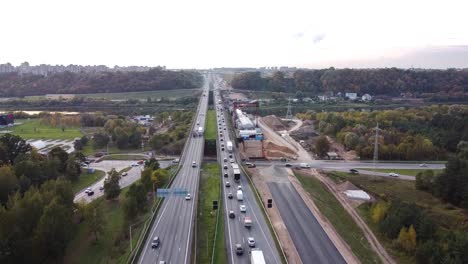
(222, 149)
(225, 167)
(231, 160)
(251, 241)
(239, 187)
(230, 195)
(124, 174)
(392, 174)
(194, 164)
(304, 165)
(188, 197)
(90, 193)
(228, 184)
(221, 139)
(155, 243)
(101, 188)
(225, 159)
(354, 171)
(239, 249)
(250, 165)
(231, 214)
(88, 190)
(288, 165)
(230, 155)
(175, 161)
(226, 175)
(423, 165)
(243, 208)
(134, 164)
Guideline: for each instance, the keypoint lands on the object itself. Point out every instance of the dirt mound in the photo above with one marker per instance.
(345, 186)
(274, 151)
(275, 123)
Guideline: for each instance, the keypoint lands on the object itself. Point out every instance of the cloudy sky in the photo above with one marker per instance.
(249, 33)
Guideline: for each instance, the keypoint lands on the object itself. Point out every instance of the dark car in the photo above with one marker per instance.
(239, 249)
(225, 175)
(288, 165)
(354, 171)
(91, 192)
(155, 242)
(231, 214)
(230, 195)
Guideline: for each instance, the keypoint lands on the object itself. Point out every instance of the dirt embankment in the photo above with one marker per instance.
(275, 123)
(341, 151)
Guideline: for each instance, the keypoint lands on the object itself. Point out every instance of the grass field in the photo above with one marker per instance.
(339, 218)
(408, 172)
(125, 157)
(86, 179)
(26, 130)
(206, 219)
(211, 131)
(113, 244)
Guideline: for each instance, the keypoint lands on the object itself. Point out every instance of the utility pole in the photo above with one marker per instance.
(288, 113)
(376, 145)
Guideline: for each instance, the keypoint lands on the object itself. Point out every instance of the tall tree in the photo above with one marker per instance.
(322, 146)
(111, 185)
(13, 146)
(8, 183)
(95, 219)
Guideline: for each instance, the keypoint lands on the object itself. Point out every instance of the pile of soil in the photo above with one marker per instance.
(275, 123)
(274, 151)
(304, 133)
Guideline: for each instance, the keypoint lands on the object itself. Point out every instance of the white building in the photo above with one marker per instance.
(366, 97)
(351, 96)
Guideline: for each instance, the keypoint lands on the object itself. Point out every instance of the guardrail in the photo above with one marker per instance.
(144, 235)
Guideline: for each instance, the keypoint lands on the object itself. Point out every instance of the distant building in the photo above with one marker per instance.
(6, 119)
(332, 156)
(323, 98)
(59, 96)
(351, 96)
(366, 97)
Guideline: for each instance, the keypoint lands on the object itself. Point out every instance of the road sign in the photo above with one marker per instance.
(162, 193)
(215, 205)
(270, 203)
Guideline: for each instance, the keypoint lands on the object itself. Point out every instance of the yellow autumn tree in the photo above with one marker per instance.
(407, 238)
(378, 212)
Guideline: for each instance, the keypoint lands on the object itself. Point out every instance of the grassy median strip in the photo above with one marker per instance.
(211, 129)
(339, 218)
(206, 219)
(86, 179)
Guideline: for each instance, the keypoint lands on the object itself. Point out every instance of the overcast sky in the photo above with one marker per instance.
(250, 33)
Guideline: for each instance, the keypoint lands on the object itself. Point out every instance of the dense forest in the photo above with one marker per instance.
(426, 133)
(388, 81)
(17, 85)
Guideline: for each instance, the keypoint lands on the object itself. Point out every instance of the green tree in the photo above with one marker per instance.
(152, 163)
(111, 185)
(54, 230)
(100, 139)
(138, 192)
(322, 146)
(61, 155)
(8, 183)
(425, 180)
(12, 146)
(351, 140)
(146, 178)
(95, 219)
(72, 170)
(378, 212)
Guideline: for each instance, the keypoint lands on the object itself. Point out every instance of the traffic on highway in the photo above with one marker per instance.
(246, 228)
(170, 238)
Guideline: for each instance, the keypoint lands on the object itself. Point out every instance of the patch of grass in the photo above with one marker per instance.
(86, 179)
(443, 214)
(124, 157)
(340, 219)
(211, 131)
(409, 172)
(33, 129)
(113, 244)
(206, 219)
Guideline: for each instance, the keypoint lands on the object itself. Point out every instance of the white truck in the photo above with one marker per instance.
(200, 131)
(240, 195)
(229, 146)
(256, 256)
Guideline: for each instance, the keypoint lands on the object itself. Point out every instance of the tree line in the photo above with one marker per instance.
(387, 81)
(426, 133)
(19, 85)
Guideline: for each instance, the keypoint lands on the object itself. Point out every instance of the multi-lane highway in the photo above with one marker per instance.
(174, 223)
(235, 231)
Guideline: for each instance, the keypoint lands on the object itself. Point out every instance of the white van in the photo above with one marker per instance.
(240, 195)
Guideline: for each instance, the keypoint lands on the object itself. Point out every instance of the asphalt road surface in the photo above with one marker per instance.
(310, 240)
(235, 231)
(134, 174)
(174, 223)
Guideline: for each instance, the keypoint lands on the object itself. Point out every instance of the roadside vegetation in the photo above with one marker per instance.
(209, 221)
(409, 172)
(86, 179)
(421, 221)
(331, 208)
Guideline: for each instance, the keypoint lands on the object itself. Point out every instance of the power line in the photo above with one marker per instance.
(289, 113)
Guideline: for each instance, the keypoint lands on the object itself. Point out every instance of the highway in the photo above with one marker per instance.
(310, 240)
(235, 231)
(174, 222)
